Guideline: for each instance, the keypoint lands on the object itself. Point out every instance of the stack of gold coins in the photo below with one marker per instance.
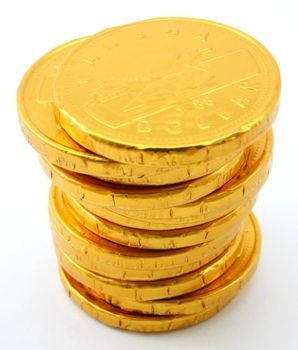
(157, 137)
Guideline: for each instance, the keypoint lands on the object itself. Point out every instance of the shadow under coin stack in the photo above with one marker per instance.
(157, 137)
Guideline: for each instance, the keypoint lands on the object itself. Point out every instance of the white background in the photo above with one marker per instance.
(34, 311)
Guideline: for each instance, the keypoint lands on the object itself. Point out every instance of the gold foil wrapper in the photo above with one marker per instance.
(157, 138)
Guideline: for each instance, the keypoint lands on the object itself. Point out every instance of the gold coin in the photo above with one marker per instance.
(217, 295)
(115, 317)
(186, 90)
(135, 275)
(87, 189)
(89, 249)
(240, 189)
(163, 239)
(39, 124)
(257, 163)
(153, 290)
(226, 286)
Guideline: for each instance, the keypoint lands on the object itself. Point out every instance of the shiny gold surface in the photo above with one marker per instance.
(94, 191)
(225, 286)
(240, 189)
(226, 226)
(97, 254)
(43, 131)
(243, 185)
(115, 317)
(153, 290)
(186, 90)
(157, 139)
(205, 302)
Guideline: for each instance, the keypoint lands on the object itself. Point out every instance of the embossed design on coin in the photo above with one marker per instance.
(180, 83)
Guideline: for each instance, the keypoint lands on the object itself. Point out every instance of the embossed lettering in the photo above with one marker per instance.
(200, 124)
(203, 103)
(203, 37)
(224, 115)
(246, 86)
(174, 127)
(240, 101)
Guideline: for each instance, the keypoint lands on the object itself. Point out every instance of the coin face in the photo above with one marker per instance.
(166, 84)
(45, 134)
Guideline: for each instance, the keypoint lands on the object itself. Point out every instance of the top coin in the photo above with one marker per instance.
(169, 91)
